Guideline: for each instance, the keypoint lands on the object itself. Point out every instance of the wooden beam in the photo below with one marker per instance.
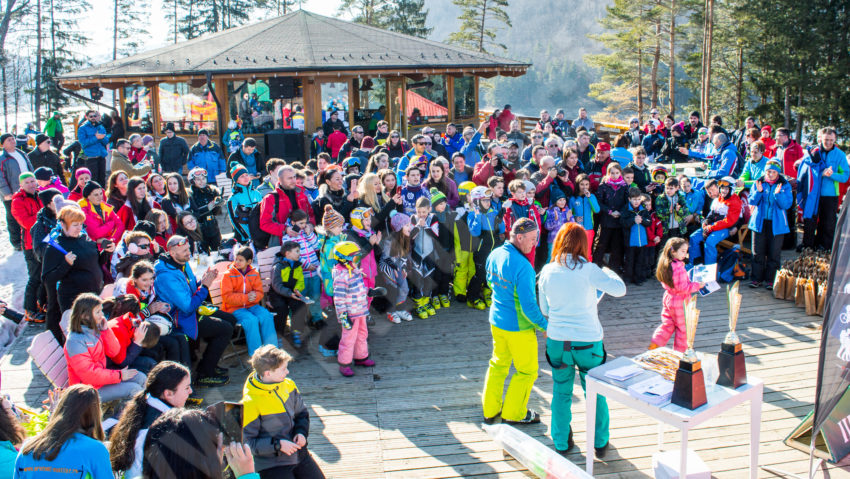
(403, 110)
(450, 97)
(157, 129)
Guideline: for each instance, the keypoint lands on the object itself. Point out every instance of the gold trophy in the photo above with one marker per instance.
(730, 361)
(689, 386)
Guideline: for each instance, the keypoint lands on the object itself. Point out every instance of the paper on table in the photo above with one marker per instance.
(656, 390)
(704, 273)
(709, 288)
(625, 372)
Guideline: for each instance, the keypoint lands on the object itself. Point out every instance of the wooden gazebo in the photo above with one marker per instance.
(249, 74)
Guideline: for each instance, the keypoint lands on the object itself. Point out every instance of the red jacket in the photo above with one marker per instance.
(25, 210)
(76, 194)
(335, 142)
(123, 329)
(654, 230)
(505, 119)
(277, 225)
(484, 170)
(732, 205)
(511, 216)
(109, 225)
(86, 354)
(790, 155)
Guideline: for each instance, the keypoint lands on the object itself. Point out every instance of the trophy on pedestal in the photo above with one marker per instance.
(689, 387)
(730, 361)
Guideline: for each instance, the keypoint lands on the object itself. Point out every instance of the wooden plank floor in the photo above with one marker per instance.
(417, 413)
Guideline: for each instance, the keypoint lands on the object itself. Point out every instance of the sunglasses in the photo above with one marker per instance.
(395, 136)
(537, 137)
(358, 131)
(143, 246)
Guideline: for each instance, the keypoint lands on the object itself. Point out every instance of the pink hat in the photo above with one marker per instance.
(81, 171)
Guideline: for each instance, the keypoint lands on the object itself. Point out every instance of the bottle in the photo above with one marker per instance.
(531, 453)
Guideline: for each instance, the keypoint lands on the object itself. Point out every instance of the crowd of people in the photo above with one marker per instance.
(373, 227)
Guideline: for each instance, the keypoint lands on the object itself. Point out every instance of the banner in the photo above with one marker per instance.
(832, 397)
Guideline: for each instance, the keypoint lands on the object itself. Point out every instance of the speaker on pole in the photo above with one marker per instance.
(282, 87)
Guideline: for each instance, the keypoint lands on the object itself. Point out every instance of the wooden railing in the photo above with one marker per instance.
(605, 131)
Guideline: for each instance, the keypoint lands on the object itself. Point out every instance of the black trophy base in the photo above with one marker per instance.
(731, 365)
(689, 387)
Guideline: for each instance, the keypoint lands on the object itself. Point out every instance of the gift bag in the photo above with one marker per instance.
(822, 293)
(790, 285)
(800, 293)
(811, 297)
(779, 284)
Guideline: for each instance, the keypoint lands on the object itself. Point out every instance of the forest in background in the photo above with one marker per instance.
(786, 61)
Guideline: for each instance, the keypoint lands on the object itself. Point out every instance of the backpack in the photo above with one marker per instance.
(730, 266)
(739, 165)
(259, 237)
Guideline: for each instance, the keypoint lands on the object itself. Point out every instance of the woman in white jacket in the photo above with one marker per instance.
(574, 333)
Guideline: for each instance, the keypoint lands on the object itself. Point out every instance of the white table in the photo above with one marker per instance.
(720, 399)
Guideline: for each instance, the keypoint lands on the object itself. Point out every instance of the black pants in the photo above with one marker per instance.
(442, 281)
(175, 348)
(58, 140)
(216, 330)
(767, 249)
(634, 266)
(34, 282)
(819, 232)
(611, 242)
(54, 313)
(284, 307)
(97, 166)
(790, 240)
(479, 258)
(210, 231)
(305, 469)
(12, 225)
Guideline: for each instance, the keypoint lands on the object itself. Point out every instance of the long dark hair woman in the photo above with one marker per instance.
(332, 192)
(176, 197)
(116, 189)
(169, 385)
(185, 443)
(72, 439)
(137, 199)
(574, 333)
(438, 178)
(72, 263)
(187, 225)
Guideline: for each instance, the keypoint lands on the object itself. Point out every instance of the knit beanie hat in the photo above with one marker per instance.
(41, 138)
(25, 175)
(43, 173)
(146, 227)
(331, 218)
(237, 171)
(556, 195)
(437, 197)
(368, 143)
(5, 136)
(46, 196)
(398, 220)
(90, 188)
(147, 140)
(773, 165)
(82, 171)
(169, 127)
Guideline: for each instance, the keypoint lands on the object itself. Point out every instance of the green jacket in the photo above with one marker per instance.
(53, 126)
(662, 211)
(286, 276)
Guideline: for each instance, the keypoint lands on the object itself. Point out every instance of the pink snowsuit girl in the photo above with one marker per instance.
(350, 300)
(673, 308)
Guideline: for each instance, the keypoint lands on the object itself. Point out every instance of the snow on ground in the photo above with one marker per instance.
(13, 269)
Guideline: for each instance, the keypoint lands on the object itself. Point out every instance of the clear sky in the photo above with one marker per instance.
(100, 49)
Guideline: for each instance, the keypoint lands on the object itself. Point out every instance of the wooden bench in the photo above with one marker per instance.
(225, 184)
(739, 238)
(49, 357)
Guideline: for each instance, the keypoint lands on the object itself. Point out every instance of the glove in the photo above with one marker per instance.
(344, 321)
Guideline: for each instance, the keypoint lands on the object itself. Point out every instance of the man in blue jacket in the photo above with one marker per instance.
(207, 155)
(819, 176)
(176, 285)
(726, 158)
(93, 139)
(514, 317)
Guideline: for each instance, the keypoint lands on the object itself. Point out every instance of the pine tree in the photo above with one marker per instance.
(63, 39)
(480, 23)
(368, 12)
(408, 17)
(281, 7)
(128, 26)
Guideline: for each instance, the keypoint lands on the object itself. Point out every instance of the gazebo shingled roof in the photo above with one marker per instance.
(298, 41)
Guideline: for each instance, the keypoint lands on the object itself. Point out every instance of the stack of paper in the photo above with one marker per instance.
(625, 372)
(656, 391)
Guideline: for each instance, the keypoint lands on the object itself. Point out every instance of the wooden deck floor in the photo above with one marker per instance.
(417, 413)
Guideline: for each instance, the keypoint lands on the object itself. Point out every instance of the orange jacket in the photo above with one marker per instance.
(235, 288)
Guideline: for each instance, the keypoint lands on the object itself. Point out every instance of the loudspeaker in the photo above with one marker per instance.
(285, 144)
(282, 87)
